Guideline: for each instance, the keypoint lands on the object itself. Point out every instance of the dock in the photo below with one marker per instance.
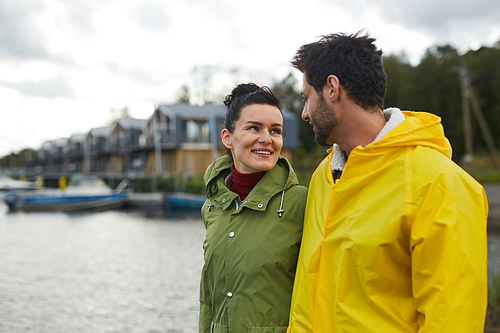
(146, 200)
(166, 200)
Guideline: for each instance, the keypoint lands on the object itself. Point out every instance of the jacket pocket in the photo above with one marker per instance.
(217, 328)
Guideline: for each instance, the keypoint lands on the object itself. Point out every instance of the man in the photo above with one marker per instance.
(395, 232)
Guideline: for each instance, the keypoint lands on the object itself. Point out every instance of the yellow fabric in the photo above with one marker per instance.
(397, 244)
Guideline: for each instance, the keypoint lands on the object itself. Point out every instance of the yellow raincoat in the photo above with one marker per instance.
(397, 243)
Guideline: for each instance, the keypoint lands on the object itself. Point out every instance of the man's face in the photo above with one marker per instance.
(317, 112)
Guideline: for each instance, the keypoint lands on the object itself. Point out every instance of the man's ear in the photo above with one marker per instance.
(226, 138)
(332, 87)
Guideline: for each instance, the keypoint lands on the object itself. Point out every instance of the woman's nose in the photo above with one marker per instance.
(265, 137)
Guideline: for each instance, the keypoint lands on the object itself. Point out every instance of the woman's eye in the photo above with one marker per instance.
(276, 131)
(253, 128)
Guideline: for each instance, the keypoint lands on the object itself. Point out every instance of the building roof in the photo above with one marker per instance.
(185, 110)
(100, 131)
(62, 142)
(131, 123)
(78, 137)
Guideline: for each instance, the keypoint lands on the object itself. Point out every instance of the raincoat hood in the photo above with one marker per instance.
(405, 128)
(418, 129)
(280, 178)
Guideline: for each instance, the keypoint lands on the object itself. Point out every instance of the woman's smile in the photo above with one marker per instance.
(262, 152)
(257, 138)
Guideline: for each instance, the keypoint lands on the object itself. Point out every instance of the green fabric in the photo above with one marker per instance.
(257, 264)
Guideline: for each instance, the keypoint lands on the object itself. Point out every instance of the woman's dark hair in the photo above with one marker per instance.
(246, 94)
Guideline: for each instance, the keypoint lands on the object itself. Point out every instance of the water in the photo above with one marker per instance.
(101, 272)
(107, 272)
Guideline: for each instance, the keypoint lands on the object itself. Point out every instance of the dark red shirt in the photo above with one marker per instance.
(243, 183)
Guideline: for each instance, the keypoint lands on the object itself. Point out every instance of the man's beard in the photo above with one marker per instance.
(324, 120)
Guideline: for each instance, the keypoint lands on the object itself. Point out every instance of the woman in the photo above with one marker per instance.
(253, 216)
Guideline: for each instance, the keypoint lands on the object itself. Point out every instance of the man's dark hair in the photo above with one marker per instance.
(354, 59)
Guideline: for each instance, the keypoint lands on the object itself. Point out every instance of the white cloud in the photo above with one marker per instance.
(65, 64)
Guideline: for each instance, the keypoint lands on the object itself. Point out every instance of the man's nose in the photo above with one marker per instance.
(305, 114)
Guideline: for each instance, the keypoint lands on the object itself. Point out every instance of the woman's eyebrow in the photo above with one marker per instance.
(259, 123)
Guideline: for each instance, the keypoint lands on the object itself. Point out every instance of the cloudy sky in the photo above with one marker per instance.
(66, 64)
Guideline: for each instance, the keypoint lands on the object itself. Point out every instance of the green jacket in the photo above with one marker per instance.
(250, 251)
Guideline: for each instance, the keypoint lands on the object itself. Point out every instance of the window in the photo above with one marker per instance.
(196, 131)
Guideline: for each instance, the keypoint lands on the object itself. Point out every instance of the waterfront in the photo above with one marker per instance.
(114, 271)
(103, 272)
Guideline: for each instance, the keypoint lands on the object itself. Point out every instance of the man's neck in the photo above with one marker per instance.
(361, 128)
(394, 117)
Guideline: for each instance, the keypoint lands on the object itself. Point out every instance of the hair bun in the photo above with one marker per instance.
(240, 91)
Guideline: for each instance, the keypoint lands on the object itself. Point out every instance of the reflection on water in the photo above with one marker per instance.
(108, 272)
(103, 272)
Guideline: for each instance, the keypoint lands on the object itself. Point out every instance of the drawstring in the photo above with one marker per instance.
(280, 211)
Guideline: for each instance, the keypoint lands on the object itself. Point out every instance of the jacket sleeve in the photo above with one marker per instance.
(205, 320)
(449, 256)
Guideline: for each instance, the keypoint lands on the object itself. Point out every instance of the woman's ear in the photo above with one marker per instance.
(226, 138)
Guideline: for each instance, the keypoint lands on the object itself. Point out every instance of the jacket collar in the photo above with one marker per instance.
(279, 178)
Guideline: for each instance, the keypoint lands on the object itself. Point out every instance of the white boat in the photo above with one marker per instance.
(8, 184)
(81, 195)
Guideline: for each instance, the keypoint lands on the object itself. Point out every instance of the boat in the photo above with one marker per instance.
(8, 184)
(182, 200)
(80, 195)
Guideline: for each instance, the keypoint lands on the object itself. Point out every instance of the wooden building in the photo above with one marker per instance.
(176, 140)
(96, 154)
(183, 139)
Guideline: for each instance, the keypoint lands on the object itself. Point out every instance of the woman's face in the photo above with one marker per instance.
(257, 138)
